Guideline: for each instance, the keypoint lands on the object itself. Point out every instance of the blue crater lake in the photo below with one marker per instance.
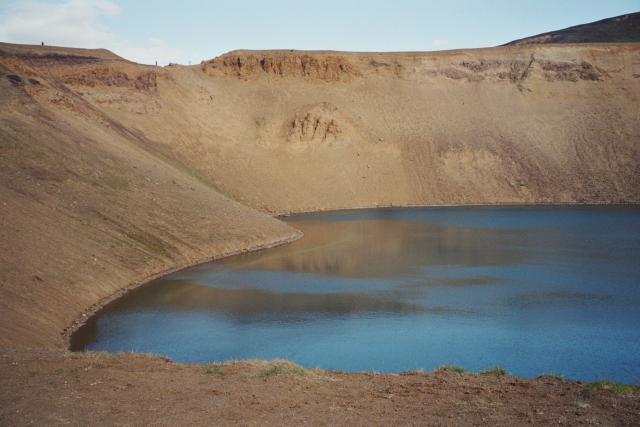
(534, 290)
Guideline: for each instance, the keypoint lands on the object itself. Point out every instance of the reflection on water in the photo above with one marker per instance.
(248, 305)
(380, 248)
(545, 299)
(536, 290)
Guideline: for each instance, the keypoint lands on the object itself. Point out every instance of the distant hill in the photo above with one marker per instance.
(623, 28)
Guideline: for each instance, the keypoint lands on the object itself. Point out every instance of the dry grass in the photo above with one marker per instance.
(498, 371)
(452, 368)
(616, 388)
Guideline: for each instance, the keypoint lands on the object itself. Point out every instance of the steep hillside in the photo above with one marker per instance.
(294, 131)
(88, 207)
(112, 171)
(619, 29)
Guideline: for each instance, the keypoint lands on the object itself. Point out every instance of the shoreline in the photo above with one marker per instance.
(68, 332)
(287, 214)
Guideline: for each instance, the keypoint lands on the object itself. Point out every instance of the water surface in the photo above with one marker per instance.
(535, 290)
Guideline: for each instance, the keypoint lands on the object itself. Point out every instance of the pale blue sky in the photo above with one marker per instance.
(192, 30)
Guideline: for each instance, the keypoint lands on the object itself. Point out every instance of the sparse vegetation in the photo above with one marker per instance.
(281, 367)
(418, 371)
(617, 388)
(215, 370)
(153, 244)
(260, 121)
(554, 376)
(498, 371)
(452, 368)
(115, 182)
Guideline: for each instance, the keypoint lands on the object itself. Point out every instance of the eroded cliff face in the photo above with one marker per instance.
(332, 67)
(327, 67)
(126, 169)
(287, 131)
(108, 76)
(537, 124)
(318, 123)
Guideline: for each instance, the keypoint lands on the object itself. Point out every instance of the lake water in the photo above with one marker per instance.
(535, 290)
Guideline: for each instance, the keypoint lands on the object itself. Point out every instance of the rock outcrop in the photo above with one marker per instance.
(317, 123)
(517, 70)
(327, 67)
(110, 76)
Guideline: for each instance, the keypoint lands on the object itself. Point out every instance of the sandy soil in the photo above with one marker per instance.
(113, 172)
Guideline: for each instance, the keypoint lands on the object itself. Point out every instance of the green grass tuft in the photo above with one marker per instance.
(215, 370)
(494, 371)
(282, 367)
(452, 368)
(617, 388)
(554, 376)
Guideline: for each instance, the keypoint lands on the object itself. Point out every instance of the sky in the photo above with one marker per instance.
(189, 31)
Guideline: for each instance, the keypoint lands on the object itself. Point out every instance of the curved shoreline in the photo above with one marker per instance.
(68, 332)
(452, 205)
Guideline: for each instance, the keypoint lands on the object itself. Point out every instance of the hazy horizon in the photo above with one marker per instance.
(198, 30)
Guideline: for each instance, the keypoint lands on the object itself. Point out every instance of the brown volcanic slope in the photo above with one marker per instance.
(111, 172)
(288, 131)
(619, 29)
(87, 206)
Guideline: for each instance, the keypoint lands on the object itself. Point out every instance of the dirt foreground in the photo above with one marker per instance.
(54, 387)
